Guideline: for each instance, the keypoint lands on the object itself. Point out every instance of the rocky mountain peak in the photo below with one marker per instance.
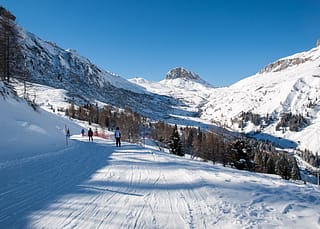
(181, 73)
(7, 14)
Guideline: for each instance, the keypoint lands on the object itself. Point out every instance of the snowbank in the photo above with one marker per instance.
(26, 132)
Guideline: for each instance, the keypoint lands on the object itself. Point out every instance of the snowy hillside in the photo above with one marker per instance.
(291, 84)
(48, 184)
(49, 65)
(182, 84)
(28, 132)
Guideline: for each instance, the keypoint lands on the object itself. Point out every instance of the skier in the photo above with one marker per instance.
(117, 135)
(82, 132)
(68, 133)
(90, 134)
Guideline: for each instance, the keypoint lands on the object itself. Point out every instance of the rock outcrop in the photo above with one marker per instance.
(181, 73)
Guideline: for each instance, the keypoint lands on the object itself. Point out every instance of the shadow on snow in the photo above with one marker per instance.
(33, 186)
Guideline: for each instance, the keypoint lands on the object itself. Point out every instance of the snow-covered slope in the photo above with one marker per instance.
(45, 183)
(26, 132)
(291, 84)
(49, 65)
(183, 85)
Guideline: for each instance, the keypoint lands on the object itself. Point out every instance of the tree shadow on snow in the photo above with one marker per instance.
(33, 186)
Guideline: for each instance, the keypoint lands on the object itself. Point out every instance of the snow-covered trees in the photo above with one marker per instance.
(249, 116)
(294, 122)
(312, 158)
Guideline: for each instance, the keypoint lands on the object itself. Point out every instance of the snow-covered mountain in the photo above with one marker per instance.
(46, 183)
(183, 85)
(48, 64)
(290, 84)
(48, 180)
(182, 75)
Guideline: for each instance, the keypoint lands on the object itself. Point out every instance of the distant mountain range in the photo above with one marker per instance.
(289, 85)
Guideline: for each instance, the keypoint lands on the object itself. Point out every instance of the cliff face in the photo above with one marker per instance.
(181, 73)
(6, 14)
(282, 64)
(287, 62)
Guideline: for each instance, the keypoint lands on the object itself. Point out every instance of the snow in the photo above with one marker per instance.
(49, 181)
(272, 92)
(62, 61)
(27, 132)
(46, 183)
(290, 84)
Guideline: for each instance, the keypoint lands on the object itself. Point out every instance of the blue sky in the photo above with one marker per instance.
(223, 41)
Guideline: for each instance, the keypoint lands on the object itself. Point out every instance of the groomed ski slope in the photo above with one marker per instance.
(97, 185)
(45, 183)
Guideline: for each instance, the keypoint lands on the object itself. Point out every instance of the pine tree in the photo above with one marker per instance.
(212, 147)
(295, 173)
(175, 142)
(197, 143)
(242, 154)
(102, 118)
(12, 60)
(282, 167)
(258, 162)
(271, 165)
(71, 110)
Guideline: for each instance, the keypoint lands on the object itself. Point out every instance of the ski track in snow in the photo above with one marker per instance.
(96, 185)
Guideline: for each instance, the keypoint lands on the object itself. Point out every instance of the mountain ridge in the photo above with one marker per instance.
(48, 64)
(287, 85)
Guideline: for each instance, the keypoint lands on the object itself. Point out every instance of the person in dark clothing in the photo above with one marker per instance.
(82, 132)
(90, 134)
(117, 135)
(68, 133)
